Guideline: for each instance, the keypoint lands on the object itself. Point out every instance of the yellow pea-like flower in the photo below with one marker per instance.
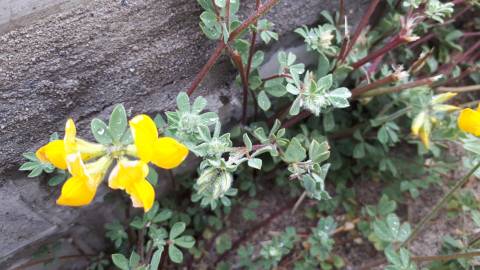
(56, 152)
(131, 176)
(469, 121)
(418, 122)
(80, 188)
(441, 98)
(165, 152)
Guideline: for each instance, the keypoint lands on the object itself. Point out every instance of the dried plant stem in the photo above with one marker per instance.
(460, 89)
(398, 88)
(446, 198)
(446, 257)
(299, 202)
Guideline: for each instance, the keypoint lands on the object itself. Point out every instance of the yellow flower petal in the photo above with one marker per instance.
(425, 137)
(79, 189)
(169, 153)
(127, 172)
(469, 121)
(76, 192)
(445, 108)
(69, 139)
(53, 152)
(142, 194)
(418, 122)
(145, 135)
(130, 176)
(441, 98)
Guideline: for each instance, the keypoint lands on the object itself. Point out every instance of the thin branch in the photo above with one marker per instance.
(460, 89)
(381, 82)
(237, 59)
(398, 88)
(221, 45)
(439, 205)
(360, 27)
(394, 43)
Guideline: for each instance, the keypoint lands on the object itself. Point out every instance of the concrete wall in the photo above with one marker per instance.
(80, 58)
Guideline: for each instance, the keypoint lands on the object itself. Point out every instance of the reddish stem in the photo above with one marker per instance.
(362, 89)
(296, 119)
(360, 27)
(206, 68)
(394, 43)
(421, 40)
(277, 76)
(237, 59)
(221, 45)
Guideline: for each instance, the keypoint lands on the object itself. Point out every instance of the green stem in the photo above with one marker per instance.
(439, 205)
(446, 257)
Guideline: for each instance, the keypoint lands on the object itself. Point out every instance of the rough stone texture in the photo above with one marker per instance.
(82, 61)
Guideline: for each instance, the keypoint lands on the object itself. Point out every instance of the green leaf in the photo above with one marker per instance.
(185, 241)
(247, 142)
(359, 151)
(255, 163)
(295, 152)
(177, 229)
(152, 176)
(323, 65)
(257, 59)
(339, 97)
(325, 82)
(157, 255)
(183, 102)
(175, 254)
(386, 206)
(390, 230)
(221, 3)
(57, 180)
(295, 107)
(36, 172)
(134, 260)
(263, 101)
(118, 122)
(30, 156)
(223, 243)
(100, 131)
(199, 105)
(164, 215)
(318, 152)
(120, 261)
(29, 165)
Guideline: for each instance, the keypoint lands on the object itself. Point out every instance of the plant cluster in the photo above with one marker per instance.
(381, 106)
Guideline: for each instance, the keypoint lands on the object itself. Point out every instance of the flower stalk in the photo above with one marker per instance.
(445, 199)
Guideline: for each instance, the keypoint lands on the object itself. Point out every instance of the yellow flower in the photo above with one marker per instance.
(165, 152)
(441, 98)
(130, 176)
(56, 152)
(469, 121)
(81, 187)
(421, 127)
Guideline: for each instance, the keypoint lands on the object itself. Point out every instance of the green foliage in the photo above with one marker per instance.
(391, 140)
